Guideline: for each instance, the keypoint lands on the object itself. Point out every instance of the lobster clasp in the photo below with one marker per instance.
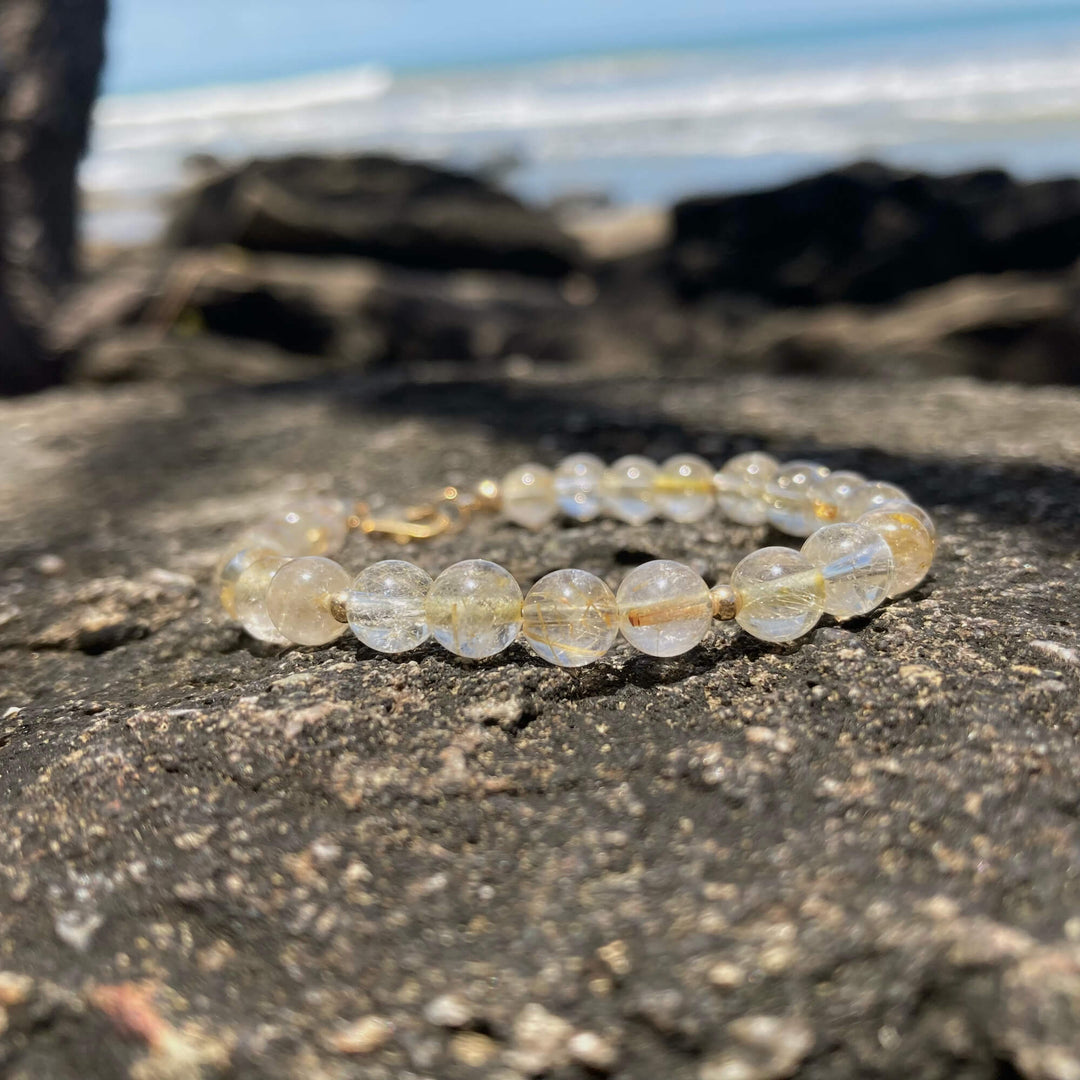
(415, 523)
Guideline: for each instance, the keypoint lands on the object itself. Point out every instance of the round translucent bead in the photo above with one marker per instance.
(570, 618)
(914, 511)
(664, 608)
(911, 543)
(789, 497)
(299, 599)
(385, 606)
(528, 496)
(869, 496)
(831, 494)
(684, 488)
(251, 589)
(578, 482)
(629, 490)
(740, 487)
(474, 608)
(316, 526)
(236, 560)
(856, 564)
(779, 594)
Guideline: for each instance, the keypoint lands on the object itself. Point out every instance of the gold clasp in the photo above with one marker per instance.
(415, 523)
(427, 520)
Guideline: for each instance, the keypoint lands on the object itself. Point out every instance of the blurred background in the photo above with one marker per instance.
(272, 189)
(622, 100)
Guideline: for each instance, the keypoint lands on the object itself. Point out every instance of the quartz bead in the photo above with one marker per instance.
(779, 594)
(528, 496)
(474, 608)
(831, 494)
(740, 487)
(684, 488)
(629, 490)
(316, 526)
(916, 512)
(299, 599)
(869, 496)
(578, 482)
(789, 497)
(236, 560)
(570, 618)
(385, 606)
(251, 589)
(856, 564)
(910, 541)
(664, 608)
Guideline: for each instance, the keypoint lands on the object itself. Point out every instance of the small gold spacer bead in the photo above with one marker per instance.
(723, 601)
(488, 495)
(336, 606)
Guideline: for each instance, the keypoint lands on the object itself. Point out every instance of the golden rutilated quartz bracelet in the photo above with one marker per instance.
(865, 541)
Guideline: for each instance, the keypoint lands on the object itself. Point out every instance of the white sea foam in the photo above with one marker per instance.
(586, 118)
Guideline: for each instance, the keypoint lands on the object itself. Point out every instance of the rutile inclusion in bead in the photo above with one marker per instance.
(910, 541)
(831, 494)
(856, 565)
(299, 600)
(473, 608)
(570, 618)
(385, 606)
(779, 594)
(684, 488)
(664, 608)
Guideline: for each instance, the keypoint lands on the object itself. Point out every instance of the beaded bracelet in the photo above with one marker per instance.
(866, 541)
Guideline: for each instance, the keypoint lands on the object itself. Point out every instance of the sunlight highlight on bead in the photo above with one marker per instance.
(910, 541)
(578, 482)
(684, 488)
(789, 497)
(630, 490)
(528, 496)
(740, 487)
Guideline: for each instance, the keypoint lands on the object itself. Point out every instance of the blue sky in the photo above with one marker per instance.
(163, 44)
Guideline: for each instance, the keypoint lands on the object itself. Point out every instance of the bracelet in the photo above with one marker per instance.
(865, 541)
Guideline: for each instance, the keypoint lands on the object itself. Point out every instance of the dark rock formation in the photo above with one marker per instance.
(850, 859)
(400, 212)
(870, 234)
(51, 52)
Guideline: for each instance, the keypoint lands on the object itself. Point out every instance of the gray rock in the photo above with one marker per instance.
(868, 839)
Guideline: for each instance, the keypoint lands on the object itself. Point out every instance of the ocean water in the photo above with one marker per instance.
(636, 127)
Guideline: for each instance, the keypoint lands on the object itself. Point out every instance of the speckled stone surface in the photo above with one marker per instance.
(857, 856)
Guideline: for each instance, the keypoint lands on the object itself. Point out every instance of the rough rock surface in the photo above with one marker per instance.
(870, 233)
(854, 857)
(402, 212)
